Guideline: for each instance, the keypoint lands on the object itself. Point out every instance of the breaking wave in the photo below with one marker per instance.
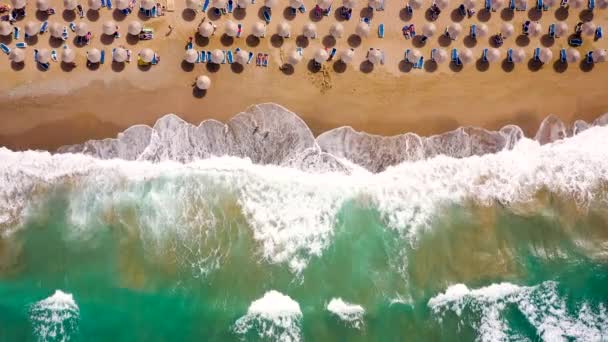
(350, 313)
(55, 318)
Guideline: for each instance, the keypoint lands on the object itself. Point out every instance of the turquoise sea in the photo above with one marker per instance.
(505, 247)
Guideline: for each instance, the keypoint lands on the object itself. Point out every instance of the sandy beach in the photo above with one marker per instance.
(62, 106)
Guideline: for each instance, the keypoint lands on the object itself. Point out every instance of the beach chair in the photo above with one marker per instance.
(64, 34)
(599, 33)
(300, 51)
(189, 46)
(409, 10)
(537, 54)
(208, 56)
(265, 60)
(488, 5)
(224, 59)
(381, 31)
(539, 5)
(302, 9)
(203, 56)
(589, 57)
(103, 3)
(552, 30)
(21, 45)
(109, 4)
(510, 55)
(407, 53)
(575, 42)
(419, 64)
(258, 59)
(230, 57)
(250, 58)
(484, 55)
(103, 57)
(562, 56)
(512, 5)
(455, 57)
(591, 5)
(5, 48)
(73, 27)
(239, 30)
(16, 32)
(44, 27)
(462, 10)
(230, 6)
(473, 32)
(267, 15)
(433, 52)
(332, 54)
(54, 55)
(206, 6)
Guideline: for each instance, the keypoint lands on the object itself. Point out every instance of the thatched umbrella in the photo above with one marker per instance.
(206, 29)
(466, 56)
(42, 5)
(94, 55)
(482, 30)
(231, 28)
(44, 56)
(415, 4)
(374, 56)
(321, 56)
(94, 4)
(122, 4)
(18, 4)
(600, 55)
(203, 82)
(428, 30)
(545, 55)
(442, 4)
(284, 29)
(362, 29)
(294, 57)
(535, 29)
(493, 55)
(309, 30)
(572, 55)
(440, 56)
(469, 4)
(81, 29)
(120, 55)
(454, 30)
(109, 28)
(561, 28)
(148, 4)
(6, 29)
(217, 56)
(241, 57)
(68, 55)
(16, 56)
(134, 28)
(519, 55)
(588, 29)
(70, 5)
(324, 4)
(507, 30)
(349, 3)
(146, 55)
(295, 4)
(414, 56)
(31, 28)
(346, 56)
(336, 30)
(193, 4)
(259, 29)
(191, 56)
(56, 30)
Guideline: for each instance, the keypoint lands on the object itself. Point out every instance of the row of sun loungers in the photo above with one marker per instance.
(205, 57)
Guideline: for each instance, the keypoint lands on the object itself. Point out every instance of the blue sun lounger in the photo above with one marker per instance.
(206, 6)
(302, 9)
(537, 54)
(230, 6)
(381, 31)
(510, 55)
(484, 55)
(229, 56)
(44, 27)
(455, 57)
(267, 15)
(109, 4)
(512, 5)
(203, 56)
(332, 54)
(575, 42)
(552, 30)
(103, 3)
(433, 52)
(462, 10)
(208, 56)
(473, 31)
(488, 5)
(407, 53)
(265, 61)
(224, 59)
(589, 57)
(239, 31)
(5, 48)
(103, 57)
(409, 10)
(250, 58)
(64, 34)
(21, 45)
(599, 33)
(419, 64)
(591, 4)
(539, 5)
(562, 56)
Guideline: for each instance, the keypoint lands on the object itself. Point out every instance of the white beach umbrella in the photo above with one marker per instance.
(362, 29)
(295, 3)
(521, 3)
(376, 4)
(18, 4)
(206, 29)
(284, 29)
(572, 55)
(349, 3)
(535, 29)
(440, 56)
(134, 28)
(94, 55)
(546, 55)
(193, 4)
(56, 30)
(31, 28)
(507, 30)
(549, 3)
(454, 30)
(109, 28)
(146, 55)
(482, 30)
(497, 4)
(324, 4)
(94, 4)
(203, 82)
(16, 56)
(561, 29)
(493, 55)
(44, 56)
(6, 29)
(81, 29)
(241, 57)
(469, 4)
(576, 4)
(219, 3)
(42, 5)
(600, 55)
(120, 55)
(270, 3)
(442, 4)
(243, 3)
(346, 56)
(466, 56)
(294, 57)
(519, 55)
(321, 56)
(147, 4)
(309, 30)
(429, 29)
(602, 4)
(231, 28)
(336, 30)
(122, 4)
(374, 56)
(415, 4)
(217, 56)
(191, 56)
(68, 55)
(414, 56)
(70, 5)
(259, 29)
(588, 29)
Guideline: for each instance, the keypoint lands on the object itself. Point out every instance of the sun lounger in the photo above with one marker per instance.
(230, 57)
(224, 58)
(203, 56)
(189, 46)
(562, 56)
(302, 9)
(381, 31)
(109, 4)
(409, 10)
(230, 6)
(103, 3)
(21, 45)
(103, 56)
(5, 48)
(54, 55)
(512, 5)
(16, 32)
(575, 42)
(155, 59)
(265, 60)
(208, 56)
(591, 4)
(407, 53)
(484, 55)
(332, 54)
(44, 27)
(455, 57)
(327, 12)
(419, 64)
(433, 52)
(599, 33)
(510, 55)
(206, 6)
(589, 57)
(258, 59)
(267, 15)
(473, 32)
(153, 11)
(537, 54)
(488, 5)
(250, 58)
(64, 34)
(462, 10)
(552, 30)
(73, 27)
(539, 5)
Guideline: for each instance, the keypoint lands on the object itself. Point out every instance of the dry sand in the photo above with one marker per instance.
(57, 107)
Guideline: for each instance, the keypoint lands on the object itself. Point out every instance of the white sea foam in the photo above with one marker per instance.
(291, 213)
(350, 313)
(274, 317)
(56, 317)
(541, 305)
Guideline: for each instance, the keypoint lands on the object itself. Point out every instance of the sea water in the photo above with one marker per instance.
(505, 246)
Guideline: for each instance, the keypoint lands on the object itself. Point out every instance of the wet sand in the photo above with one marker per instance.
(61, 106)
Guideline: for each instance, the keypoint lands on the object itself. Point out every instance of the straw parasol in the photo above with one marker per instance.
(193, 4)
(310, 30)
(296, 3)
(376, 4)
(134, 28)
(270, 3)
(42, 5)
(94, 55)
(70, 5)
(414, 56)
(469, 4)
(466, 56)
(148, 4)
(349, 3)
(44, 56)
(206, 29)
(336, 30)
(454, 30)
(259, 29)
(507, 30)
(5, 28)
(576, 3)
(82, 29)
(493, 55)
(68, 55)
(190, 56)
(217, 56)
(284, 29)
(415, 4)
(535, 29)
(561, 28)
(347, 55)
(122, 4)
(497, 4)
(482, 30)
(321, 55)
(243, 3)
(588, 28)
(572, 55)
(94, 4)
(362, 29)
(545, 55)
(428, 30)
(294, 57)
(600, 55)
(18, 4)
(203, 82)
(442, 4)
(324, 4)
(241, 57)
(56, 30)
(109, 28)
(120, 55)
(16, 56)
(440, 56)
(146, 55)
(231, 28)
(31, 28)
(519, 55)
(219, 4)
